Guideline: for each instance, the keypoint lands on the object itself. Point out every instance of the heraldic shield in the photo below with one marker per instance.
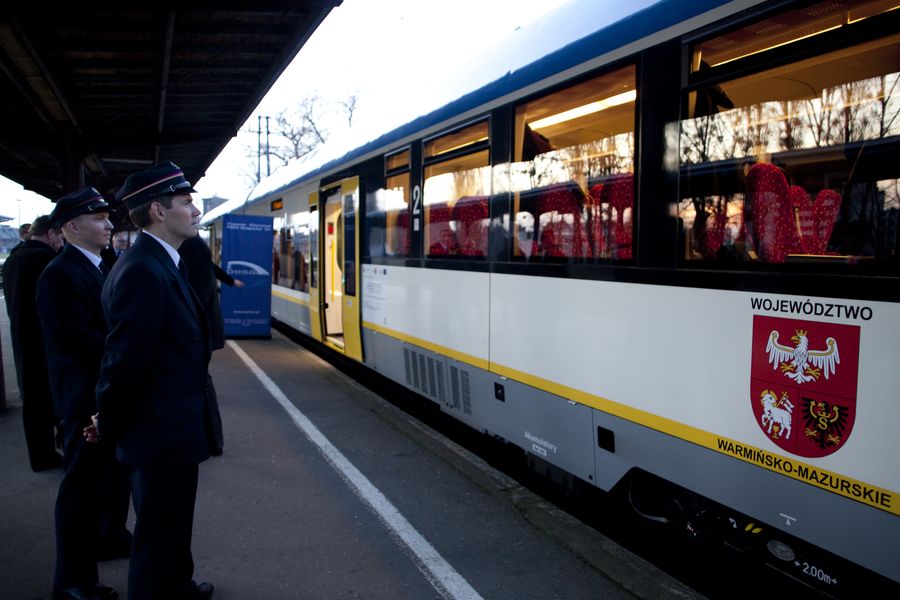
(803, 383)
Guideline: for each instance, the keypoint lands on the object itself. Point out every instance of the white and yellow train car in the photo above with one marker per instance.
(664, 256)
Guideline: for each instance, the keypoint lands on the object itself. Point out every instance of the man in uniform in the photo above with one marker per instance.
(151, 394)
(202, 276)
(20, 275)
(94, 488)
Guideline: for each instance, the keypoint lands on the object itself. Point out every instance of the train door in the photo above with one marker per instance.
(315, 321)
(332, 259)
(338, 300)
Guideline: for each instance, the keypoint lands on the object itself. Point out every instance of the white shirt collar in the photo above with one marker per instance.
(94, 258)
(173, 253)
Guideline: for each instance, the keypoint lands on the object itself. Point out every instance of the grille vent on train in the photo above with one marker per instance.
(461, 392)
(424, 374)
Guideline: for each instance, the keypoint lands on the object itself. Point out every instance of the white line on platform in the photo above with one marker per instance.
(438, 571)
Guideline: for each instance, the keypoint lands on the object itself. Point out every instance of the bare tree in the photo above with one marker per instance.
(349, 106)
(296, 131)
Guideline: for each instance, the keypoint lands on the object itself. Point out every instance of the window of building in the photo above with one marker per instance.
(572, 175)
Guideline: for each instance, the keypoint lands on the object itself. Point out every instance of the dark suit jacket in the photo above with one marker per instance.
(152, 388)
(202, 275)
(68, 300)
(20, 275)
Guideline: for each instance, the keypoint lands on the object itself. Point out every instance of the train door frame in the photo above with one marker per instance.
(340, 242)
(315, 323)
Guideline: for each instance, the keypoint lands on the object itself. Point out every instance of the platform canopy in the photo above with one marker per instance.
(93, 91)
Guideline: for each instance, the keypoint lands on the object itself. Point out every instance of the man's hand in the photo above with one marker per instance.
(91, 435)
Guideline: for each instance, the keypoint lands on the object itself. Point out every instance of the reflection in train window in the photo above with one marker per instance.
(456, 194)
(572, 176)
(796, 163)
(291, 250)
(387, 210)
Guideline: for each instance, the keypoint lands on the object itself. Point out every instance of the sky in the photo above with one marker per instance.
(393, 54)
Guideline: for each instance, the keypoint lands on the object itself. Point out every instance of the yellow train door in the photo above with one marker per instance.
(337, 292)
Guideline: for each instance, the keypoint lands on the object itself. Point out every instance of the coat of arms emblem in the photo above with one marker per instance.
(803, 383)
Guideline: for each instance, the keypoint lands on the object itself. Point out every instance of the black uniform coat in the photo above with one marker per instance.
(202, 275)
(93, 495)
(152, 388)
(68, 301)
(20, 275)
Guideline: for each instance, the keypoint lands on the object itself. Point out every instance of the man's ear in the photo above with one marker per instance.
(157, 209)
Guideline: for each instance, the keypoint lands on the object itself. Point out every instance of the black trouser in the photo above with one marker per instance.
(86, 491)
(161, 562)
(39, 421)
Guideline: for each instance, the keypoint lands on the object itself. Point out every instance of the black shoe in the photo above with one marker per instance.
(97, 592)
(202, 591)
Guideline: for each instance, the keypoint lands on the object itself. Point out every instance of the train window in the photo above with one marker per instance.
(280, 242)
(783, 28)
(456, 193)
(387, 210)
(457, 141)
(396, 210)
(349, 262)
(291, 249)
(796, 163)
(396, 161)
(313, 247)
(297, 251)
(572, 176)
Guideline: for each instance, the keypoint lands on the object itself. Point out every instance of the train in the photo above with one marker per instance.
(662, 257)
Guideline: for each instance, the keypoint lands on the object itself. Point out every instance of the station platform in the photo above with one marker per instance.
(326, 490)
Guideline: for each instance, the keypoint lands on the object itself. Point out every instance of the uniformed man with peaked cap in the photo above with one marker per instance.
(20, 276)
(94, 486)
(151, 393)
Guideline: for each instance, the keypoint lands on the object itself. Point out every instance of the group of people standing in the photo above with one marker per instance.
(124, 355)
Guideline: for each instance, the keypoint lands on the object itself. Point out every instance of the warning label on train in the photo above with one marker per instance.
(803, 380)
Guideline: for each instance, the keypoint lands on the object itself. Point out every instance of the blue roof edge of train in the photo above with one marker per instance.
(633, 27)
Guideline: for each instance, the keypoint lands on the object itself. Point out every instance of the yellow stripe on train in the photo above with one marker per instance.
(853, 489)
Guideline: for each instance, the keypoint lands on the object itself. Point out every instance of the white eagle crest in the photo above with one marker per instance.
(800, 363)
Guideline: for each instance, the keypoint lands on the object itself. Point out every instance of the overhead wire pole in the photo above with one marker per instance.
(258, 145)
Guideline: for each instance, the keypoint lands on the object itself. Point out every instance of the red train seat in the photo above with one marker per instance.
(441, 237)
(618, 193)
(768, 213)
(472, 215)
(803, 221)
(562, 230)
(825, 212)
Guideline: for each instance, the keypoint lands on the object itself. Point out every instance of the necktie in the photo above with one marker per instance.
(182, 268)
(103, 268)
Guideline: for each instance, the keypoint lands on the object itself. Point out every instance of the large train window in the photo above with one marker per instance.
(291, 251)
(313, 247)
(798, 163)
(572, 177)
(387, 209)
(456, 193)
(298, 250)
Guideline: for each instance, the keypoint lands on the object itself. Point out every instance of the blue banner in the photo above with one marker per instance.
(247, 255)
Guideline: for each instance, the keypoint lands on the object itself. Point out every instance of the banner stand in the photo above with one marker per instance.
(247, 255)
